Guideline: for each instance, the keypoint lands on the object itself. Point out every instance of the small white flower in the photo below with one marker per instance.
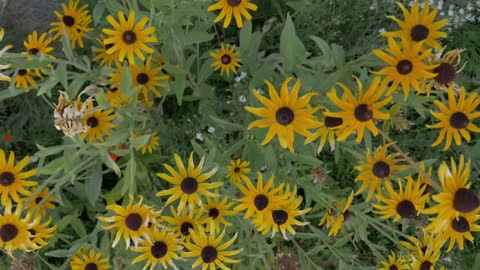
(242, 99)
(450, 13)
(211, 129)
(199, 136)
(243, 74)
(381, 30)
(260, 91)
(373, 7)
(461, 11)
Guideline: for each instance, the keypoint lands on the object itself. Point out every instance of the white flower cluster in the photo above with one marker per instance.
(457, 14)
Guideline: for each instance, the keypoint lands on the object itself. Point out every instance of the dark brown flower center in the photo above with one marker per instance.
(465, 201)
(92, 121)
(461, 225)
(7, 179)
(129, 37)
(68, 20)
(32, 233)
(8, 232)
(331, 122)
(91, 266)
(33, 51)
(209, 254)
(404, 67)
(237, 169)
(406, 209)
(260, 202)
(38, 200)
(234, 3)
(459, 120)
(113, 89)
(142, 78)
(226, 59)
(426, 265)
(363, 113)
(159, 249)
(428, 189)
(134, 222)
(185, 228)
(213, 213)
(108, 46)
(381, 169)
(347, 216)
(189, 185)
(22, 72)
(393, 267)
(446, 73)
(279, 216)
(285, 116)
(419, 32)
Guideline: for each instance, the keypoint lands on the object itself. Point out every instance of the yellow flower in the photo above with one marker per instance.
(405, 66)
(128, 38)
(4, 77)
(131, 221)
(24, 78)
(209, 250)
(152, 144)
(447, 64)
(35, 44)
(189, 183)
(419, 26)
(419, 247)
(426, 260)
(41, 202)
(360, 113)
(13, 180)
(84, 260)
(40, 232)
(102, 55)
(330, 127)
(74, 21)
(14, 232)
(217, 211)
(456, 120)
(227, 59)
(285, 115)
(394, 263)
(184, 223)
(238, 170)
(233, 8)
(162, 248)
(334, 218)
(99, 122)
(379, 168)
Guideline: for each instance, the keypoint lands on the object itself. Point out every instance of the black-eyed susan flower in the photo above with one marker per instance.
(455, 198)
(406, 66)
(285, 115)
(426, 260)
(4, 77)
(151, 145)
(394, 262)
(38, 44)
(282, 218)
(25, 78)
(132, 221)
(418, 246)
(182, 224)
(209, 250)
(448, 64)
(14, 234)
(359, 113)
(235, 9)
(162, 249)
(99, 123)
(189, 183)
(217, 211)
(424, 177)
(116, 98)
(334, 218)
(407, 203)
(74, 21)
(330, 127)
(86, 259)
(256, 200)
(379, 168)
(456, 120)
(226, 59)
(129, 38)
(455, 229)
(238, 171)
(40, 232)
(41, 202)
(419, 26)
(12, 179)
(102, 55)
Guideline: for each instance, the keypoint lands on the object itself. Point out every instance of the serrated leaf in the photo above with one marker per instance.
(291, 47)
(93, 184)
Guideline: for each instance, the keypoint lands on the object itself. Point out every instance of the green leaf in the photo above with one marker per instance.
(291, 47)
(245, 35)
(67, 47)
(193, 37)
(197, 148)
(47, 86)
(61, 74)
(110, 163)
(178, 85)
(126, 83)
(52, 166)
(59, 253)
(227, 125)
(140, 141)
(93, 184)
(129, 177)
(97, 12)
(338, 55)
